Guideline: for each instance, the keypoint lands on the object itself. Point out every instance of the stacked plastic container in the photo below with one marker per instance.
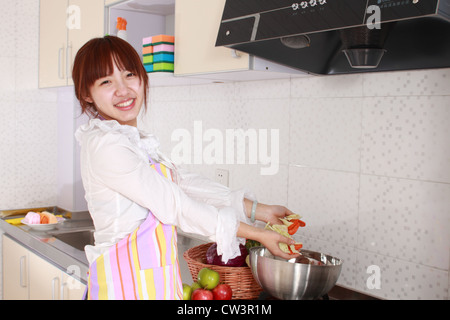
(158, 53)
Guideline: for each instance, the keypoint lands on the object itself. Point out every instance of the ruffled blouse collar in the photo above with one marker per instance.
(143, 140)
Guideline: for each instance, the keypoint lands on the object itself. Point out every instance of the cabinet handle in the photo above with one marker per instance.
(23, 269)
(235, 54)
(54, 282)
(60, 62)
(63, 287)
(69, 61)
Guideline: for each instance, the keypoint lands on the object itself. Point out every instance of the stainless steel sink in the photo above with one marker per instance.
(76, 239)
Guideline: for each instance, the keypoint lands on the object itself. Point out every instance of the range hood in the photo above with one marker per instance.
(340, 36)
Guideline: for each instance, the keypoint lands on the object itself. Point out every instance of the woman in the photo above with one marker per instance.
(136, 196)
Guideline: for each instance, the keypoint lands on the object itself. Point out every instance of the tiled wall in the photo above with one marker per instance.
(28, 121)
(365, 159)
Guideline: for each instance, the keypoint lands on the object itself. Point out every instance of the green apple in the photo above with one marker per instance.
(208, 279)
(195, 286)
(187, 291)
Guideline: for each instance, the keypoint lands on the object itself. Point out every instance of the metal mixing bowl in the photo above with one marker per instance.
(308, 277)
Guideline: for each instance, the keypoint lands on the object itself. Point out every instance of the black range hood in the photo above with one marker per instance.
(340, 36)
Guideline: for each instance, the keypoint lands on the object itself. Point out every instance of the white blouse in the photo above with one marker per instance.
(121, 187)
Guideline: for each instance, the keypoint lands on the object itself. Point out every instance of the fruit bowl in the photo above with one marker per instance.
(308, 277)
(240, 279)
(43, 227)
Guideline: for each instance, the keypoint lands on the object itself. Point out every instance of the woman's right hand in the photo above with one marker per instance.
(270, 239)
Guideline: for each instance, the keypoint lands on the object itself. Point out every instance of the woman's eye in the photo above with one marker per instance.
(104, 82)
(130, 74)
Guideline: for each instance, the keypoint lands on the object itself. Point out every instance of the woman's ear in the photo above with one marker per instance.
(88, 99)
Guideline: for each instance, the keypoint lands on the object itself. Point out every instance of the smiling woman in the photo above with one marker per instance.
(114, 65)
(137, 197)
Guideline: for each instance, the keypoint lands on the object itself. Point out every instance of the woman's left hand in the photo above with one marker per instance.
(268, 213)
(273, 213)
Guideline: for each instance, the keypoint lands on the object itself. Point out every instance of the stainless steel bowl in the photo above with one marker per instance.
(308, 277)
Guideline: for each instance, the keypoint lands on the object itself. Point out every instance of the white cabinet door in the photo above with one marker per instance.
(27, 276)
(71, 288)
(45, 279)
(196, 26)
(15, 270)
(52, 43)
(65, 25)
(91, 25)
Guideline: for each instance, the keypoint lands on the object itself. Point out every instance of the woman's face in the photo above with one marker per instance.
(118, 96)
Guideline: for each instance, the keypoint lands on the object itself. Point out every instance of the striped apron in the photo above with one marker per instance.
(142, 266)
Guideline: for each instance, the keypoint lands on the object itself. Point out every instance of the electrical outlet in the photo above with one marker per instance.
(222, 176)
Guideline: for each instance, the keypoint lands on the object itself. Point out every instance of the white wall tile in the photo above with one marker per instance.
(8, 29)
(214, 91)
(328, 203)
(406, 219)
(407, 137)
(26, 29)
(326, 133)
(268, 189)
(269, 89)
(181, 93)
(7, 81)
(400, 279)
(327, 86)
(407, 83)
(269, 120)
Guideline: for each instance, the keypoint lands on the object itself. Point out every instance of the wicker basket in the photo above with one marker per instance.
(240, 279)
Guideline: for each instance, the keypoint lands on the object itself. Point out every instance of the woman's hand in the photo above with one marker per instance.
(268, 238)
(267, 213)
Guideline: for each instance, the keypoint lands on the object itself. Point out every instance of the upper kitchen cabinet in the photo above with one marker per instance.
(145, 18)
(65, 25)
(197, 24)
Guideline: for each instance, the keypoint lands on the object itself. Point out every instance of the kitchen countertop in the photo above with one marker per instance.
(45, 245)
(63, 255)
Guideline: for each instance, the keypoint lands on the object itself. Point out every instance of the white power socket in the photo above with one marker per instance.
(222, 176)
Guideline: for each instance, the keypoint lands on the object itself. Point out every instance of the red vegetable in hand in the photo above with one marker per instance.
(296, 223)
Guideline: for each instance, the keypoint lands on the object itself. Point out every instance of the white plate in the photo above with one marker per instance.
(43, 227)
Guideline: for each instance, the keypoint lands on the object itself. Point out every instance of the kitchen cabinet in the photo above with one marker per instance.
(147, 18)
(195, 24)
(65, 25)
(15, 270)
(27, 276)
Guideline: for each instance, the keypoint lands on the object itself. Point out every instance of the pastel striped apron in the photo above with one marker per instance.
(142, 266)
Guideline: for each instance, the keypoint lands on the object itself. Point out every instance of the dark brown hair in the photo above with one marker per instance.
(96, 60)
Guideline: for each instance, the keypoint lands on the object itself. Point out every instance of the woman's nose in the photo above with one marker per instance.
(121, 88)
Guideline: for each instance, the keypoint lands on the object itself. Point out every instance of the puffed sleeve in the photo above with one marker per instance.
(203, 189)
(116, 164)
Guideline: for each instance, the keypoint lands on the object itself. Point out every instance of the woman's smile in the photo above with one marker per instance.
(126, 105)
